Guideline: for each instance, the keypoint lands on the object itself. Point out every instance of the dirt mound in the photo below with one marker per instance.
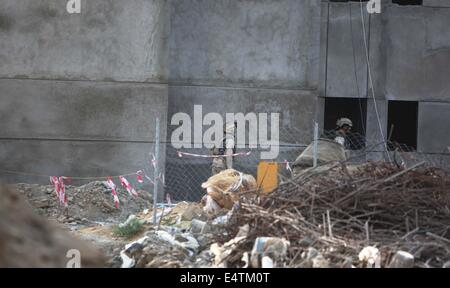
(92, 202)
(27, 240)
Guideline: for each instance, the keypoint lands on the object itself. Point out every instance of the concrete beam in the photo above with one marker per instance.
(433, 136)
(109, 40)
(81, 110)
(436, 3)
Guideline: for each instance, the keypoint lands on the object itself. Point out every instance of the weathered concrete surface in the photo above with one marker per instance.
(80, 93)
(245, 43)
(373, 132)
(377, 55)
(71, 158)
(434, 119)
(78, 128)
(409, 52)
(109, 40)
(346, 64)
(296, 107)
(59, 71)
(418, 53)
(323, 58)
(247, 56)
(81, 110)
(436, 3)
(409, 48)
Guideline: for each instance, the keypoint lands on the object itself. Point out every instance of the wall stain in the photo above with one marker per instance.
(6, 22)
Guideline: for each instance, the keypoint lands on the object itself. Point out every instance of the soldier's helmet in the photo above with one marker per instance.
(344, 121)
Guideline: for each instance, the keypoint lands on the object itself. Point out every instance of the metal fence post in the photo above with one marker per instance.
(316, 138)
(156, 175)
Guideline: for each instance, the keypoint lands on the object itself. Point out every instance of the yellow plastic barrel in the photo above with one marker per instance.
(267, 176)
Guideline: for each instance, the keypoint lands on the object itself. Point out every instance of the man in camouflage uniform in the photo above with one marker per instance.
(228, 148)
(339, 134)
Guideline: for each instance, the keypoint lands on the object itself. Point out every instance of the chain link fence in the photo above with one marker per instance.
(184, 175)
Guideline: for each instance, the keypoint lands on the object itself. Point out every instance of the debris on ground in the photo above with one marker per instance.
(267, 251)
(225, 189)
(327, 151)
(92, 202)
(161, 249)
(340, 211)
(29, 241)
(335, 215)
(402, 259)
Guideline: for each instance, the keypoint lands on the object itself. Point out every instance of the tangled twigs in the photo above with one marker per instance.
(375, 202)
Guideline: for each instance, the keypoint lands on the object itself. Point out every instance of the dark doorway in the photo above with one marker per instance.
(352, 108)
(407, 2)
(402, 123)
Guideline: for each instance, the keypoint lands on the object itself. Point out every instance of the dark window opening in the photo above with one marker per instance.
(407, 2)
(353, 108)
(402, 124)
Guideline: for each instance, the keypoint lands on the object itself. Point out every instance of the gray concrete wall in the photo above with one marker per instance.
(80, 93)
(245, 43)
(409, 48)
(434, 119)
(246, 56)
(417, 53)
(417, 68)
(109, 41)
(346, 61)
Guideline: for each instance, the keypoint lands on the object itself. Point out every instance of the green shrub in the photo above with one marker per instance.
(129, 230)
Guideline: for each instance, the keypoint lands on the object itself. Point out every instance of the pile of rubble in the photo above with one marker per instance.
(180, 239)
(89, 203)
(339, 216)
(187, 234)
(371, 215)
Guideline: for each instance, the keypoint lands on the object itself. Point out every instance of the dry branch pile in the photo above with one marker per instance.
(339, 210)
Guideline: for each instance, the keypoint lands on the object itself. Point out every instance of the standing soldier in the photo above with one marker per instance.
(228, 148)
(340, 133)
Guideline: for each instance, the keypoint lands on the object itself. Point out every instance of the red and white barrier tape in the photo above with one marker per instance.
(60, 189)
(126, 185)
(112, 186)
(140, 176)
(55, 181)
(288, 167)
(63, 196)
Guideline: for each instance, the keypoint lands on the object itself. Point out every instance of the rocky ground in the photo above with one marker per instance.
(91, 203)
(91, 216)
(28, 240)
(356, 218)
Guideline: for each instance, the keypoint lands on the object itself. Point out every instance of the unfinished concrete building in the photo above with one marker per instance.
(80, 92)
